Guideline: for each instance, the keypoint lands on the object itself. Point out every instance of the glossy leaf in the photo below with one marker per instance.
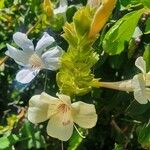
(121, 32)
(74, 142)
(147, 56)
(7, 141)
(147, 28)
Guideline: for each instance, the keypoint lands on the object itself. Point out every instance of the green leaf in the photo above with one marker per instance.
(144, 136)
(7, 142)
(147, 28)
(57, 22)
(4, 142)
(70, 13)
(125, 2)
(82, 20)
(146, 3)
(121, 32)
(146, 56)
(136, 109)
(74, 142)
(117, 147)
(2, 4)
(31, 137)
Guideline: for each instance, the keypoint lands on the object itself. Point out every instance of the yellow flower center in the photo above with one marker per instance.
(36, 62)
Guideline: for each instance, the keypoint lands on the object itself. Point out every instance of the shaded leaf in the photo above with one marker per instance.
(146, 56)
(7, 142)
(144, 136)
(147, 28)
(74, 142)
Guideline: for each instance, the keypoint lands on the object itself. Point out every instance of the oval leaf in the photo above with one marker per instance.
(121, 33)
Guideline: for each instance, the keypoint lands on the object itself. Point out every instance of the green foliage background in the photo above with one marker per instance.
(122, 122)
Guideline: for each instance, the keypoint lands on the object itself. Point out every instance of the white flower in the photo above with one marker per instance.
(61, 114)
(94, 3)
(141, 82)
(61, 9)
(32, 59)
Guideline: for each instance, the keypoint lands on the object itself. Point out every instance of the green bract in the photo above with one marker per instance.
(75, 75)
(82, 21)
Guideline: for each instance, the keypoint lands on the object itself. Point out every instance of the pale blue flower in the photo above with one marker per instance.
(34, 59)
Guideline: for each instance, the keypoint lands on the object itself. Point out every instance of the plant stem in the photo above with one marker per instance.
(62, 145)
(45, 83)
(3, 60)
(32, 28)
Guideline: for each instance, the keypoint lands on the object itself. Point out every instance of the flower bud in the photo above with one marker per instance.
(48, 8)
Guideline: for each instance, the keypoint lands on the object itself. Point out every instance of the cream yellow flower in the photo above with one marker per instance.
(141, 82)
(61, 114)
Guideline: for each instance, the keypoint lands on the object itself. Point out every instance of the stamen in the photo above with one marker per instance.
(80, 134)
(65, 110)
(36, 62)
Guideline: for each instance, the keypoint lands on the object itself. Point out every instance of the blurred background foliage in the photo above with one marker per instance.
(123, 123)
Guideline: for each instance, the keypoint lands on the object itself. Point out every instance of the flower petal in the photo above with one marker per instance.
(140, 63)
(48, 98)
(53, 103)
(51, 58)
(38, 110)
(148, 79)
(63, 4)
(19, 56)
(138, 84)
(66, 99)
(54, 52)
(57, 129)
(43, 43)
(140, 97)
(26, 75)
(22, 41)
(147, 93)
(84, 114)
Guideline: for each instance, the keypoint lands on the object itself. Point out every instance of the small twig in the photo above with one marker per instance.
(128, 140)
(129, 106)
(3, 60)
(31, 29)
(114, 124)
(62, 145)
(45, 83)
(131, 121)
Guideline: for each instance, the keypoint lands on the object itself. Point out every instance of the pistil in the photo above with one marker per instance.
(36, 62)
